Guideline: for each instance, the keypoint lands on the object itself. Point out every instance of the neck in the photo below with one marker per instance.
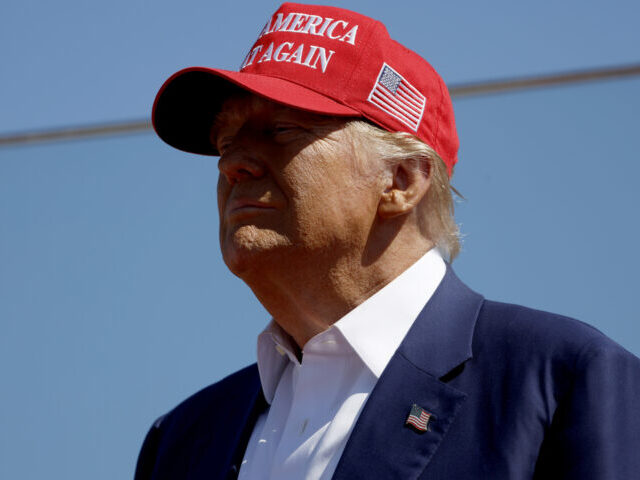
(308, 297)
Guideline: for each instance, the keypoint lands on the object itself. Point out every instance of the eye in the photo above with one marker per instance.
(284, 127)
(284, 132)
(223, 143)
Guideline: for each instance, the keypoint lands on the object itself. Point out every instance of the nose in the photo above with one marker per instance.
(238, 166)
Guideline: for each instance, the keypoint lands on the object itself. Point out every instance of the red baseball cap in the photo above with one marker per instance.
(320, 59)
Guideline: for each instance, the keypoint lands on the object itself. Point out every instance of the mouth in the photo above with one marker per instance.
(247, 207)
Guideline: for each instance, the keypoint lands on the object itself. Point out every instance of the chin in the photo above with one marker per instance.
(247, 248)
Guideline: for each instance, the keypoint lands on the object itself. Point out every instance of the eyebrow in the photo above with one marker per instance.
(239, 107)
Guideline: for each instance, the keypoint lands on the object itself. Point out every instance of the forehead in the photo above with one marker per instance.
(244, 106)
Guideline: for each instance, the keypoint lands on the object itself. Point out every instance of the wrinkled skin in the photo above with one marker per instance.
(310, 218)
(289, 189)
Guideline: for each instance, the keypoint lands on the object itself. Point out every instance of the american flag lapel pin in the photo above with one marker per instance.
(419, 418)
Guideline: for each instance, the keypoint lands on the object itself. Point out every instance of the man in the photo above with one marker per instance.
(336, 145)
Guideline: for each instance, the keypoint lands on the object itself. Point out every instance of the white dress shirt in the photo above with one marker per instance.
(315, 404)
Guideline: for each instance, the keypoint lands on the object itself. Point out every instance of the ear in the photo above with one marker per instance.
(407, 186)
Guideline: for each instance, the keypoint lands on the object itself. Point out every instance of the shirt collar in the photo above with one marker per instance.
(374, 329)
(275, 350)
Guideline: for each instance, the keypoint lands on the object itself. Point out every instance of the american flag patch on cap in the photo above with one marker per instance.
(397, 97)
(418, 418)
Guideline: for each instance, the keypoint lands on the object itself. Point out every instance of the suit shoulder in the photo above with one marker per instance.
(535, 332)
(242, 383)
(538, 357)
(214, 411)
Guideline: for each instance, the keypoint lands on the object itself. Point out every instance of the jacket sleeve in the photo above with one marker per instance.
(595, 432)
(149, 452)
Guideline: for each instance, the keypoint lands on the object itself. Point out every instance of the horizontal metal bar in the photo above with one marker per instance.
(491, 87)
(75, 133)
(531, 82)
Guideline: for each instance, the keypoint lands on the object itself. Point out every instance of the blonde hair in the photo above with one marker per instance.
(437, 221)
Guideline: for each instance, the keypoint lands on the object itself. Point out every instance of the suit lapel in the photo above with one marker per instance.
(381, 445)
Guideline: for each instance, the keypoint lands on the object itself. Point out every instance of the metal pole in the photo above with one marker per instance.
(491, 87)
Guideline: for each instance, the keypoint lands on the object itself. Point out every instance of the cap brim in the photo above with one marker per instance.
(188, 102)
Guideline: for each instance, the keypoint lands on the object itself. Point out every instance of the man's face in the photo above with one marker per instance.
(293, 189)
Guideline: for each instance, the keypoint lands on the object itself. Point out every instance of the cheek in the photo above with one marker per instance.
(332, 208)
(330, 192)
(223, 190)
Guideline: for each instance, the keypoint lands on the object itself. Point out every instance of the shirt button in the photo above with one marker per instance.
(304, 425)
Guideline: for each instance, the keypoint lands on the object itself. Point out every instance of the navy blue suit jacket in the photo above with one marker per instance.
(515, 394)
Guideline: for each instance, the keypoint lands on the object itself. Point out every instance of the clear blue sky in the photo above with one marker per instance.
(114, 302)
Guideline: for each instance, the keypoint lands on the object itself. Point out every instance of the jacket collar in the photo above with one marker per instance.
(437, 343)
(440, 338)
